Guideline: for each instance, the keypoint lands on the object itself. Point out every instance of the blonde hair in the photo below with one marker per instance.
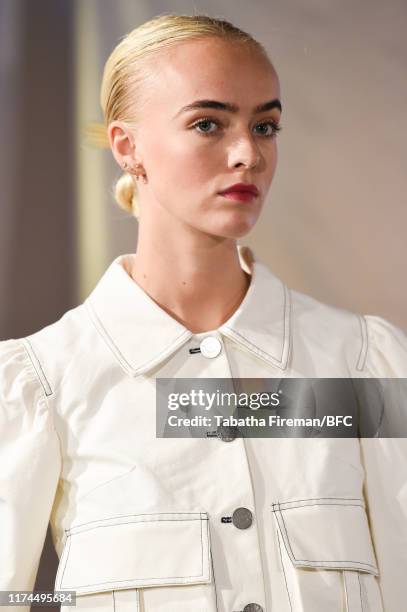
(125, 73)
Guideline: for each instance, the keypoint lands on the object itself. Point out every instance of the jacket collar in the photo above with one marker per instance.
(141, 334)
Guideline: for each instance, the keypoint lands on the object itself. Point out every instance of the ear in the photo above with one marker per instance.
(121, 142)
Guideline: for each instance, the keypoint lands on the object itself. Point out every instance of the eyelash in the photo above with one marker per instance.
(276, 127)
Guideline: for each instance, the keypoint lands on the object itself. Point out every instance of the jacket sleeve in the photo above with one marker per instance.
(385, 463)
(29, 468)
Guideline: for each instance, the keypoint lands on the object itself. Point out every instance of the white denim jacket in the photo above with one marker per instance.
(149, 524)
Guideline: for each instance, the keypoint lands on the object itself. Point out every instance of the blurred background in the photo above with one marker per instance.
(334, 225)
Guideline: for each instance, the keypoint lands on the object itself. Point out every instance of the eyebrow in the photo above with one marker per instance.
(228, 106)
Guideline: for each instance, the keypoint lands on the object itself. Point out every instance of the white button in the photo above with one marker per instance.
(210, 347)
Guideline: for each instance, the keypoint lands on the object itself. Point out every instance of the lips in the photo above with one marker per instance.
(241, 188)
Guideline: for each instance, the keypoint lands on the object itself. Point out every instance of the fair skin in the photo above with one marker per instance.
(187, 258)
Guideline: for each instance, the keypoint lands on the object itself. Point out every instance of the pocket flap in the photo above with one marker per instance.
(327, 533)
(136, 551)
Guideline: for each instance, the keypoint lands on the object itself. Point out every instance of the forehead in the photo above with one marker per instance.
(212, 68)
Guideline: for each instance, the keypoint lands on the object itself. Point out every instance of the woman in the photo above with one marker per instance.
(217, 523)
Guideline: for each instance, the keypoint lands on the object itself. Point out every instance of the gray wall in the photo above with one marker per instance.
(38, 255)
(37, 196)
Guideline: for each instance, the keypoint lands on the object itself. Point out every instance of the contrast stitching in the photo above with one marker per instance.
(66, 559)
(255, 348)
(37, 366)
(184, 578)
(289, 319)
(359, 365)
(315, 498)
(286, 318)
(360, 593)
(131, 523)
(308, 561)
(285, 531)
(115, 349)
(346, 579)
(42, 379)
(367, 341)
(106, 337)
(201, 525)
(285, 577)
(214, 582)
(285, 322)
(205, 518)
(319, 504)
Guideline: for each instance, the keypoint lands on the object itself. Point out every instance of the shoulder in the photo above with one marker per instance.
(309, 309)
(386, 352)
(23, 399)
(47, 354)
(324, 323)
(371, 345)
(17, 372)
(27, 423)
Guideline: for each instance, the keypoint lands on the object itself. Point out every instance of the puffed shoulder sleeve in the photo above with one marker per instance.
(386, 349)
(385, 463)
(29, 467)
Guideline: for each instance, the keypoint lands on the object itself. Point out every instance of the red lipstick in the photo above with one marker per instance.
(244, 192)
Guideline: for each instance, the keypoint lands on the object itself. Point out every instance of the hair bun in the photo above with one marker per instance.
(125, 194)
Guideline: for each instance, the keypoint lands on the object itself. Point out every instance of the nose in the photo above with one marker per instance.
(244, 151)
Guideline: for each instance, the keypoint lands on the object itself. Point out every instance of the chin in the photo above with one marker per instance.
(235, 230)
(239, 225)
(229, 225)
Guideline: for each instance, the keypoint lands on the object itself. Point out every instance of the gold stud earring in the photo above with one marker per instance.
(144, 177)
(133, 170)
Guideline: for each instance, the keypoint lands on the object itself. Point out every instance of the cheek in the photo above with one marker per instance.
(181, 161)
(271, 161)
(274, 164)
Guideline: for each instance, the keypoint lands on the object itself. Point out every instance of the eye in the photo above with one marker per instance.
(204, 123)
(275, 128)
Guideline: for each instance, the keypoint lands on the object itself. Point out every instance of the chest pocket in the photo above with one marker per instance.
(327, 555)
(140, 563)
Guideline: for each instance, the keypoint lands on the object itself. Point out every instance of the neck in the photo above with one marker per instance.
(199, 285)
